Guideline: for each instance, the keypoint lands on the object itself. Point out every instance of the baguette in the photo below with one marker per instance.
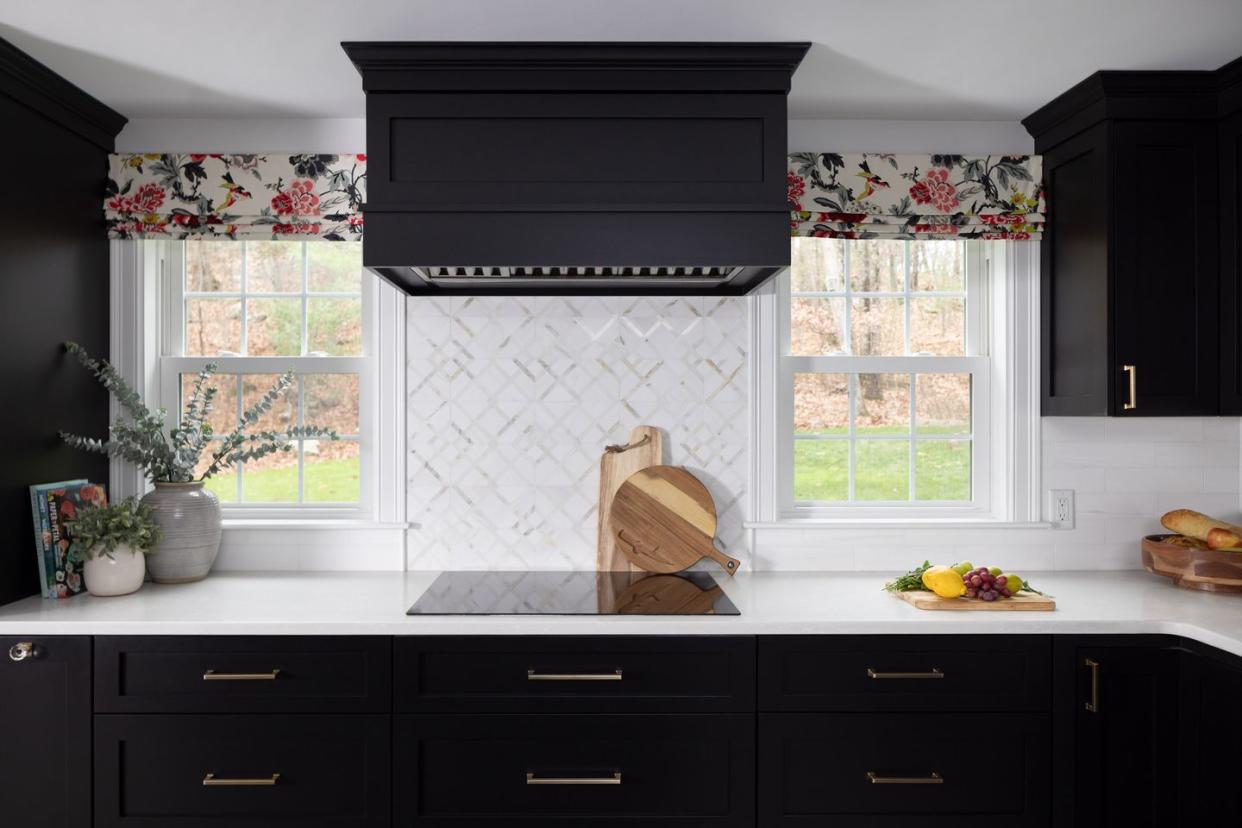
(1223, 539)
(1194, 524)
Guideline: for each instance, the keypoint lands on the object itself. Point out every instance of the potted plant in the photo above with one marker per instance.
(187, 513)
(114, 541)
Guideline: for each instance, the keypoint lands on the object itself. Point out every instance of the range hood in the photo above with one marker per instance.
(576, 168)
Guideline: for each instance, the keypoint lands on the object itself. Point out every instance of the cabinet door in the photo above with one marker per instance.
(1116, 739)
(1230, 139)
(1165, 279)
(1211, 732)
(45, 744)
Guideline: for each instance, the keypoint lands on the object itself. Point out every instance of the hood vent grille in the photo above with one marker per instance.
(464, 276)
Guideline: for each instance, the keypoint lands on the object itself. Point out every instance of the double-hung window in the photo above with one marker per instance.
(255, 310)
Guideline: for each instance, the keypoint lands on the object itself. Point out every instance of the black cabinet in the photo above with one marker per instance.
(45, 744)
(1116, 730)
(1211, 731)
(1229, 140)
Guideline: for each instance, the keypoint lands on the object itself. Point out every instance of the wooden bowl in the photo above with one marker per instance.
(1207, 569)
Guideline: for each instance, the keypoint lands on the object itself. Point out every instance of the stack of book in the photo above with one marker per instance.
(54, 506)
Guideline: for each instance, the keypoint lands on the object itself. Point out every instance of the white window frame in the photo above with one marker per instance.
(1002, 331)
(146, 316)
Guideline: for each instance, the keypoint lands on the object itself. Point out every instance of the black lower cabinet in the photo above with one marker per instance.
(481, 771)
(45, 738)
(1210, 782)
(242, 771)
(1117, 730)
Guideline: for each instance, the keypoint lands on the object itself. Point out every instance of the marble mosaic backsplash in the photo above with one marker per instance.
(512, 400)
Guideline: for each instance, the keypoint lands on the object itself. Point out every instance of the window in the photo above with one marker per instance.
(257, 309)
(893, 380)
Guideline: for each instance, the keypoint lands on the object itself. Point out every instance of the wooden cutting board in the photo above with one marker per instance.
(1021, 603)
(664, 520)
(645, 448)
(666, 595)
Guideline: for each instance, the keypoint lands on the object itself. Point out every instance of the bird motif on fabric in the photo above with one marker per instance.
(874, 182)
(236, 192)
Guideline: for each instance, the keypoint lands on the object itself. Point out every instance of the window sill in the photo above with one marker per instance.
(895, 523)
(313, 523)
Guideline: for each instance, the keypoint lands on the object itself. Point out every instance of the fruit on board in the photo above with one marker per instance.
(963, 567)
(987, 584)
(944, 581)
(1014, 583)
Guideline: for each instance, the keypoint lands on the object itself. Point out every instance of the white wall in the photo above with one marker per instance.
(963, 137)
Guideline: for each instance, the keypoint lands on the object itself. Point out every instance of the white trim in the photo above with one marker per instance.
(133, 342)
(294, 523)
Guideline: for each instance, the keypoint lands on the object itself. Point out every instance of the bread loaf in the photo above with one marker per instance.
(1194, 524)
(1223, 539)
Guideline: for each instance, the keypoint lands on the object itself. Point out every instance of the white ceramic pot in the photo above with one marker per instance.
(118, 573)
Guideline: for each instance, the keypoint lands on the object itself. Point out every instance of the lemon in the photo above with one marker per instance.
(944, 581)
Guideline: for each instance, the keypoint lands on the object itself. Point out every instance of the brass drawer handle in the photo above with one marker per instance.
(931, 779)
(615, 779)
(212, 675)
(21, 651)
(1093, 706)
(213, 781)
(934, 673)
(615, 675)
(1132, 370)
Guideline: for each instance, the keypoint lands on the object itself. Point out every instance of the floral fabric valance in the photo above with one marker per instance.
(214, 196)
(874, 195)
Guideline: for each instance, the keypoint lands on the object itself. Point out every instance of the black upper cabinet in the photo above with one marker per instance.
(1229, 142)
(1130, 297)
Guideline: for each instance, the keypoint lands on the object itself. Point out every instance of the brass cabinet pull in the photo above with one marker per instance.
(615, 779)
(212, 675)
(931, 779)
(1093, 706)
(615, 675)
(1133, 372)
(933, 673)
(213, 781)
(21, 651)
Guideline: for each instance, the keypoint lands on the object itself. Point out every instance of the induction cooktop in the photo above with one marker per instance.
(573, 593)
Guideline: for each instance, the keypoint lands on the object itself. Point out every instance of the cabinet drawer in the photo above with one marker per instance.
(909, 672)
(157, 674)
(308, 771)
(900, 769)
(478, 771)
(566, 674)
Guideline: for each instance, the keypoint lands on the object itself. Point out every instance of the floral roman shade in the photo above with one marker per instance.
(874, 195)
(216, 196)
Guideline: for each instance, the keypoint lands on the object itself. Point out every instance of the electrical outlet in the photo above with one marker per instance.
(1061, 508)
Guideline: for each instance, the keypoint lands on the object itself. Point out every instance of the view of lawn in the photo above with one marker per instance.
(821, 468)
(326, 481)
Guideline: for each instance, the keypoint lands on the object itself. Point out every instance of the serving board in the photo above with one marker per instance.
(1021, 603)
(645, 448)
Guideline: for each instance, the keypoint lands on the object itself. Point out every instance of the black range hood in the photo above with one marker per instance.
(576, 168)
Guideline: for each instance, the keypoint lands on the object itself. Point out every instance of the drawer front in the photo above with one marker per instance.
(478, 771)
(905, 673)
(157, 674)
(901, 769)
(566, 674)
(308, 771)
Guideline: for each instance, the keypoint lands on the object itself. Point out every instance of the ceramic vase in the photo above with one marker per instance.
(118, 572)
(189, 519)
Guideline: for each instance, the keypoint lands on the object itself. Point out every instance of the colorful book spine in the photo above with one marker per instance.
(63, 508)
(41, 519)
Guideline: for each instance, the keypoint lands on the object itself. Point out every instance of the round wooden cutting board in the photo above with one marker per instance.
(664, 520)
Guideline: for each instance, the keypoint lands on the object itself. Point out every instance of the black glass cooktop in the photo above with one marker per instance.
(573, 593)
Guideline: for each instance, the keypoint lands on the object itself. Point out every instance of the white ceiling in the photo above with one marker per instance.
(879, 59)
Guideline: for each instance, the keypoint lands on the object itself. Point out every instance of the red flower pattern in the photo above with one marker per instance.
(299, 200)
(795, 185)
(935, 189)
(148, 198)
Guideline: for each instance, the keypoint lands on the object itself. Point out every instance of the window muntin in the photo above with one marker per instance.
(885, 371)
(256, 309)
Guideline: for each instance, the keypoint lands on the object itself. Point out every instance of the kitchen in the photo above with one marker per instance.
(632, 348)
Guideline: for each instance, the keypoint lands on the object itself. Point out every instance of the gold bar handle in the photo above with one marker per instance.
(21, 651)
(933, 673)
(615, 779)
(212, 675)
(615, 675)
(1093, 706)
(213, 781)
(1132, 370)
(931, 779)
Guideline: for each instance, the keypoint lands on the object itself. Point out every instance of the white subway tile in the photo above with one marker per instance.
(1072, 429)
(1163, 429)
(1100, 454)
(1154, 480)
(1203, 454)
(1115, 503)
(1079, 479)
(1223, 429)
(1220, 480)
(1103, 556)
(1220, 505)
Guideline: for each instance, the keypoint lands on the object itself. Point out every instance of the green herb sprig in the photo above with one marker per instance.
(912, 581)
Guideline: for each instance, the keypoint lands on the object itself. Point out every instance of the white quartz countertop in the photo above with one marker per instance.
(771, 603)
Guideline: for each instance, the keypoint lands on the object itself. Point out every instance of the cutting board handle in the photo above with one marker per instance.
(731, 565)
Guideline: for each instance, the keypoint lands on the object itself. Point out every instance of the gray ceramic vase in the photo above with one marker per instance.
(189, 520)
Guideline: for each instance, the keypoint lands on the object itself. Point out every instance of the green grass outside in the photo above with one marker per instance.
(326, 481)
(882, 467)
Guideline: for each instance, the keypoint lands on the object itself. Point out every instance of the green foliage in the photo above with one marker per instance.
(101, 529)
(912, 581)
(170, 455)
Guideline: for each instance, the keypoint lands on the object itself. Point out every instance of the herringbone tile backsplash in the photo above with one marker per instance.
(512, 400)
